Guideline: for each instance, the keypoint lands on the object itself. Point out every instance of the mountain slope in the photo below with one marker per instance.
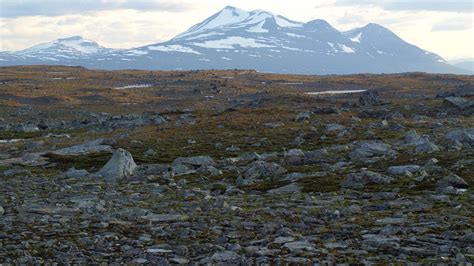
(234, 38)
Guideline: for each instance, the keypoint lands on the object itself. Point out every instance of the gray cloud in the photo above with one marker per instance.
(20, 8)
(418, 5)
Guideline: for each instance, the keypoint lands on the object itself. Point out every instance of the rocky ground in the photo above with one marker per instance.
(234, 167)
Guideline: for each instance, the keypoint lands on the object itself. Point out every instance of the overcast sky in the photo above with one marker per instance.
(441, 26)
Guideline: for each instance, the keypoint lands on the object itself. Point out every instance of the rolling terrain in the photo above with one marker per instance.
(234, 167)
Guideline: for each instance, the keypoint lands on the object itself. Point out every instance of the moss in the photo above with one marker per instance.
(328, 183)
(96, 161)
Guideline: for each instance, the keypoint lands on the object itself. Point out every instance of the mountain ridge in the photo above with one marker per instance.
(258, 39)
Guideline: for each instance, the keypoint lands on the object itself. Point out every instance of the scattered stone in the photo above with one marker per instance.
(225, 256)
(272, 125)
(459, 103)
(420, 144)
(150, 153)
(190, 165)
(371, 148)
(74, 173)
(298, 246)
(403, 169)
(334, 128)
(303, 116)
(291, 188)
(461, 135)
(361, 179)
(450, 184)
(264, 170)
(164, 218)
(15, 172)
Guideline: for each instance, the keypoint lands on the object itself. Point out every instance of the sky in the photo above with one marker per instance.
(445, 27)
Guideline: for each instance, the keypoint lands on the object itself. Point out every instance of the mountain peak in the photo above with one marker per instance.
(231, 18)
(375, 28)
(319, 24)
(72, 38)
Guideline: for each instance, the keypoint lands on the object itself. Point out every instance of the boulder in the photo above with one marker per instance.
(419, 143)
(451, 183)
(264, 170)
(188, 165)
(369, 98)
(121, 165)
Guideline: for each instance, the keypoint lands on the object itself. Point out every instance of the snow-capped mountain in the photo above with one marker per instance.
(234, 38)
(61, 51)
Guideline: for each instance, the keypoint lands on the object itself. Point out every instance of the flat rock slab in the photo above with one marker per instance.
(94, 146)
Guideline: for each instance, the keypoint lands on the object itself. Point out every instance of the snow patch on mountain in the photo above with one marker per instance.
(357, 38)
(346, 49)
(258, 28)
(173, 48)
(231, 42)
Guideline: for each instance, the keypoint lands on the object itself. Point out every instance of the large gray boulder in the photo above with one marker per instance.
(120, 166)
